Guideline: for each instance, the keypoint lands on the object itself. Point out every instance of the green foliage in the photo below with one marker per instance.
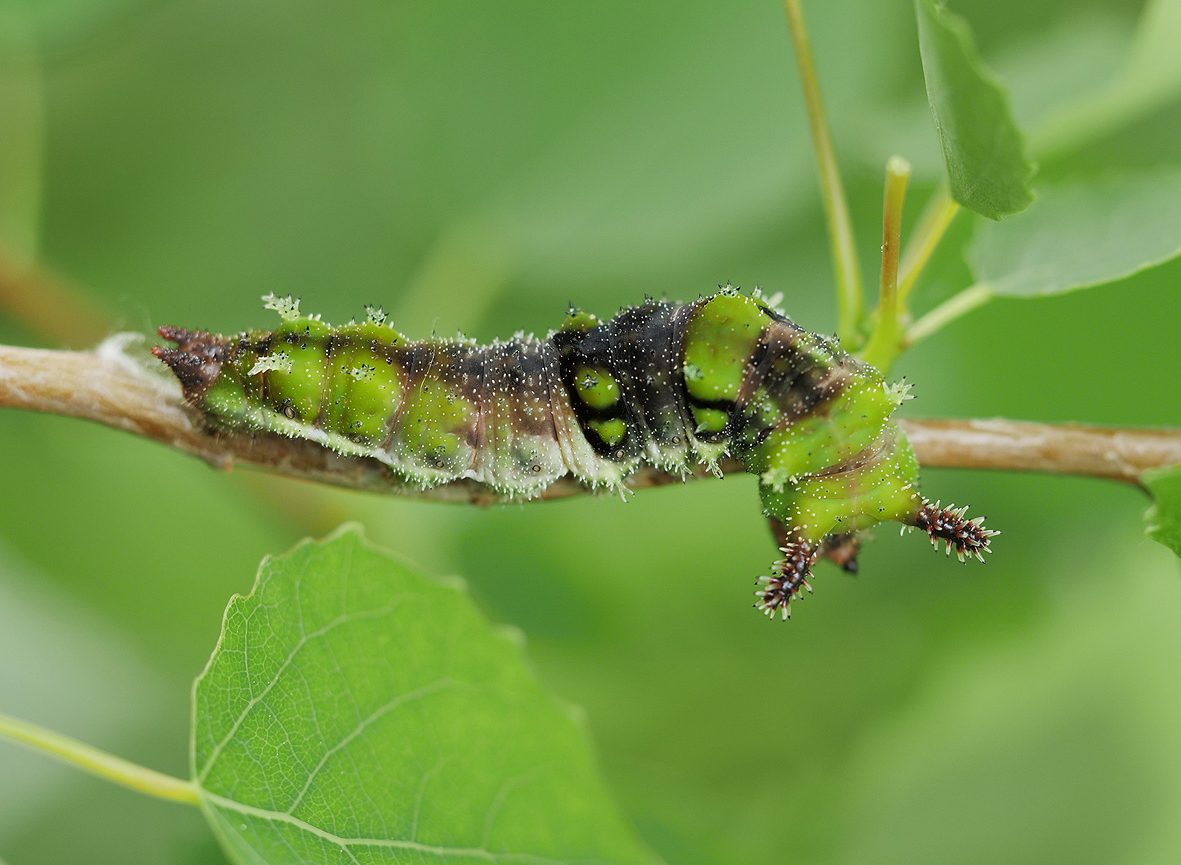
(1082, 234)
(982, 146)
(354, 709)
(427, 155)
(1153, 72)
(1149, 79)
(1164, 517)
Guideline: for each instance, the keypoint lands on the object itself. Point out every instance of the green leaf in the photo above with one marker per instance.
(1153, 73)
(1150, 79)
(1164, 517)
(1081, 234)
(354, 710)
(982, 146)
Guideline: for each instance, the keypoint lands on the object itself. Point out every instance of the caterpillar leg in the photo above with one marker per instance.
(835, 537)
(821, 514)
(788, 576)
(839, 548)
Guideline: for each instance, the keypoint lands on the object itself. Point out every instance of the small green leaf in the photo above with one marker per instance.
(1164, 517)
(1082, 234)
(982, 146)
(356, 711)
(1150, 79)
(1154, 69)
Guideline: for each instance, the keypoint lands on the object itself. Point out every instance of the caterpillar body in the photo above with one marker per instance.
(670, 385)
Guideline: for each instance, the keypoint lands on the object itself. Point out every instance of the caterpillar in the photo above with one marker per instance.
(671, 385)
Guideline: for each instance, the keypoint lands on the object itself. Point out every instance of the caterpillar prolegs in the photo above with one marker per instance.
(670, 385)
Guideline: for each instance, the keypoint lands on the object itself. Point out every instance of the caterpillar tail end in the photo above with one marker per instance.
(196, 361)
(968, 537)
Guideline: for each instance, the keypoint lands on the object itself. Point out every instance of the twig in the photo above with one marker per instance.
(112, 387)
(1118, 453)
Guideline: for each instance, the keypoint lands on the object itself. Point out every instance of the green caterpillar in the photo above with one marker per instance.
(664, 384)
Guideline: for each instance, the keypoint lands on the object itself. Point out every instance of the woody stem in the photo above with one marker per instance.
(115, 387)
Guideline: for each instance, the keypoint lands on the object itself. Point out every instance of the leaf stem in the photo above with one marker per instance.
(100, 763)
(836, 208)
(885, 341)
(936, 218)
(955, 306)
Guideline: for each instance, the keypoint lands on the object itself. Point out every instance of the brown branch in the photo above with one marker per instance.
(49, 306)
(1121, 454)
(112, 386)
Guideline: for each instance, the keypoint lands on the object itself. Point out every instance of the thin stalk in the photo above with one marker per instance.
(100, 763)
(937, 217)
(836, 208)
(49, 306)
(948, 311)
(885, 341)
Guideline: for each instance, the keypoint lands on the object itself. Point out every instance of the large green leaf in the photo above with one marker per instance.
(1150, 78)
(1154, 69)
(356, 711)
(1164, 517)
(982, 146)
(1081, 234)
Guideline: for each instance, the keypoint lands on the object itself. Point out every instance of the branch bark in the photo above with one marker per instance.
(112, 386)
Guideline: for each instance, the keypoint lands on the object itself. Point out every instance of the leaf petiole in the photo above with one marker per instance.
(936, 218)
(836, 209)
(100, 763)
(948, 311)
(885, 341)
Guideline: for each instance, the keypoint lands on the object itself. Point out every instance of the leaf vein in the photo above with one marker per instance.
(372, 718)
(299, 645)
(389, 843)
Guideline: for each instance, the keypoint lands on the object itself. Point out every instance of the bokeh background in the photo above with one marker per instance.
(476, 166)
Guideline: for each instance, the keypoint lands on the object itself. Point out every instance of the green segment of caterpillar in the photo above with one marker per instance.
(661, 384)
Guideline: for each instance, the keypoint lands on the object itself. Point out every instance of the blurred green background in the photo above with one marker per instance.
(476, 166)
